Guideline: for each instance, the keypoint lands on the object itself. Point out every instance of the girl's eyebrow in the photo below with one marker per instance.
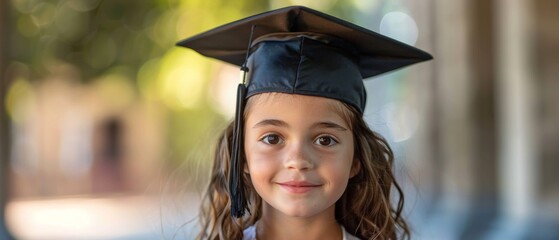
(273, 122)
(280, 123)
(329, 125)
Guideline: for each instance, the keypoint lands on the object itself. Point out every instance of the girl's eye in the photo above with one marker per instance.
(271, 139)
(325, 141)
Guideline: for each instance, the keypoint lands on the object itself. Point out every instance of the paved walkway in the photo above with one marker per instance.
(114, 217)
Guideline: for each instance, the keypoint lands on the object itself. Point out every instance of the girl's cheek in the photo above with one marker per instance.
(261, 156)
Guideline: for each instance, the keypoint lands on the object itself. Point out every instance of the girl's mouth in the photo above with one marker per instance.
(298, 186)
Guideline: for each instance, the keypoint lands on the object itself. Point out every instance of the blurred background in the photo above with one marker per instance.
(107, 129)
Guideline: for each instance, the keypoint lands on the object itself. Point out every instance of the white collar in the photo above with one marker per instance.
(250, 233)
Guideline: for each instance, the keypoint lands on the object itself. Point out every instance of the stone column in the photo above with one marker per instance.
(516, 118)
(455, 126)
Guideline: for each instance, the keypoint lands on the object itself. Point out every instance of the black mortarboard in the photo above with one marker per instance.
(298, 50)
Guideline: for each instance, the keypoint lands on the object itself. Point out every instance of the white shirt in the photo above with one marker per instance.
(250, 234)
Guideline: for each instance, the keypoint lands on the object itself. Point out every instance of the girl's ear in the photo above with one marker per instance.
(355, 168)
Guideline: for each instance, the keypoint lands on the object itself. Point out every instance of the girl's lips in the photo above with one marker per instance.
(298, 186)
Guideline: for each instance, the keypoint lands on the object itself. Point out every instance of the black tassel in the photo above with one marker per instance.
(237, 191)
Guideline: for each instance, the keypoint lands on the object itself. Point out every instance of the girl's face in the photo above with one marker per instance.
(299, 152)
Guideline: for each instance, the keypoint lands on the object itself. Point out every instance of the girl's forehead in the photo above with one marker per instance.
(277, 103)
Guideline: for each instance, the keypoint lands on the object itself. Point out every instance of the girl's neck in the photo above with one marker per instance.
(276, 225)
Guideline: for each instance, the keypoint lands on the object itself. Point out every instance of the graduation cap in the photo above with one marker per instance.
(298, 50)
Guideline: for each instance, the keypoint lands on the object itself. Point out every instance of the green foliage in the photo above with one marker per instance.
(136, 39)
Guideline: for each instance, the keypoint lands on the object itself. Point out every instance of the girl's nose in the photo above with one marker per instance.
(299, 157)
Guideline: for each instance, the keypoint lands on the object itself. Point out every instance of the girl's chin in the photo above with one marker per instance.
(301, 211)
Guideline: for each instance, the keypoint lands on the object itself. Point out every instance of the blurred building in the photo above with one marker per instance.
(484, 164)
(71, 139)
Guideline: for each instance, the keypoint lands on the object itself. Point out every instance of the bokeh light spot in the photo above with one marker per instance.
(43, 14)
(366, 5)
(400, 26)
(26, 26)
(101, 52)
(181, 80)
(18, 92)
(402, 121)
(70, 24)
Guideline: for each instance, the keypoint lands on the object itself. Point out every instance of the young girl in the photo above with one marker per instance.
(299, 162)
